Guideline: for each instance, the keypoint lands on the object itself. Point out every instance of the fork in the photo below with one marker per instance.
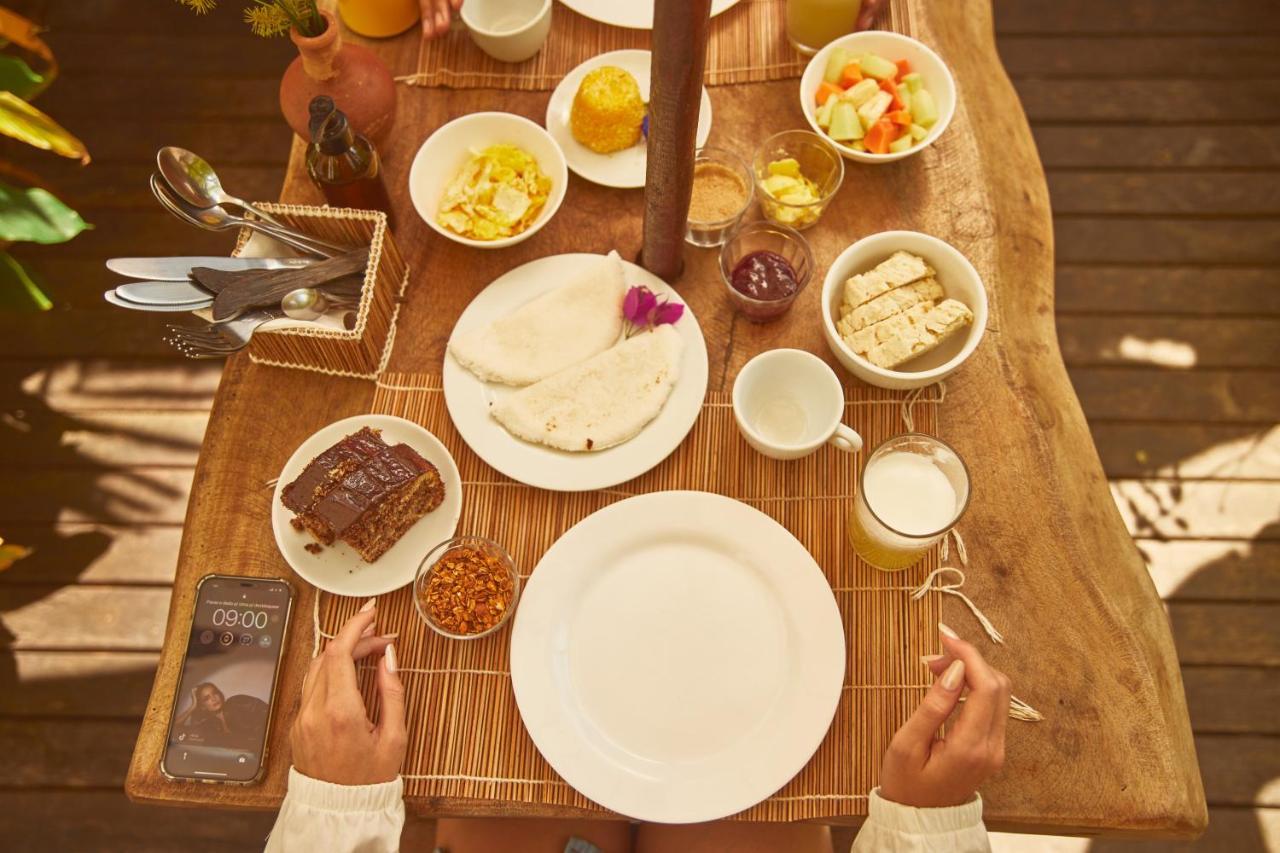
(216, 340)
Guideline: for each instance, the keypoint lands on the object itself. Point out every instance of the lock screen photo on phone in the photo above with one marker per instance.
(223, 705)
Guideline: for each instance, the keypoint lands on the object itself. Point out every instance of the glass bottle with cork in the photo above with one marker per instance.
(343, 164)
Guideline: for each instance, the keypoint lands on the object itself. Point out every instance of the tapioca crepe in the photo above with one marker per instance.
(561, 328)
(601, 402)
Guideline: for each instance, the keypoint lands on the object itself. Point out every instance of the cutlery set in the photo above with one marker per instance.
(240, 294)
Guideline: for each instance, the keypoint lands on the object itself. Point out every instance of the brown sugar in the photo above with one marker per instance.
(719, 193)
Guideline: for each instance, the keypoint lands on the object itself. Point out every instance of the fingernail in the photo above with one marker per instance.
(928, 659)
(442, 20)
(393, 667)
(394, 635)
(368, 605)
(954, 675)
(946, 631)
(368, 631)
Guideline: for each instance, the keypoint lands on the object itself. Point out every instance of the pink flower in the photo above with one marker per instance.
(667, 312)
(642, 310)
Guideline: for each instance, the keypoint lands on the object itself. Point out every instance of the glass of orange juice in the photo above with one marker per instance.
(812, 24)
(379, 18)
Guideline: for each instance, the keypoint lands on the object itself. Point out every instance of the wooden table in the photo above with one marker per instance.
(1050, 560)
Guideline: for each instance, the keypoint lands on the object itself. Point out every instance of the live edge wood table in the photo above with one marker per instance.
(1051, 561)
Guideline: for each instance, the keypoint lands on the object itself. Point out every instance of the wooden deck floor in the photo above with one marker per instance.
(1159, 127)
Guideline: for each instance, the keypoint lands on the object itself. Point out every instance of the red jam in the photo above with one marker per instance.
(765, 277)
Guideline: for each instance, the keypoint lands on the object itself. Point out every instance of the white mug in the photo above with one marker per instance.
(508, 30)
(788, 403)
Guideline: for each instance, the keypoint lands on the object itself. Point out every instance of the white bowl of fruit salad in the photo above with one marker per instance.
(877, 96)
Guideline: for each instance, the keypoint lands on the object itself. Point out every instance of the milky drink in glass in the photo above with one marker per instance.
(913, 489)
(812, 24)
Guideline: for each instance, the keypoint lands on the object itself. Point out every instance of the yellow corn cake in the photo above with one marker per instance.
(607, 110)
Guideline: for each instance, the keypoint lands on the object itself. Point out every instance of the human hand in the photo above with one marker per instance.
(436, 15)
(333, 739)
(925, 771)
(867, 15)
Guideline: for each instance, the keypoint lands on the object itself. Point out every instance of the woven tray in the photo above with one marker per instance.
(466, 737)
(748, 44)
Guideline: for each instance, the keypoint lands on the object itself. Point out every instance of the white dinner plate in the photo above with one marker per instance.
(632, 14)
(624, 168)
(338, 568)
(677, 657)
(469, 399)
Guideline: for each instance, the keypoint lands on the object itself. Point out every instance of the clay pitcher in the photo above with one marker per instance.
(352, 75)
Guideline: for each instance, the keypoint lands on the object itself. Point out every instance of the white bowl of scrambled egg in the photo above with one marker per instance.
(488, 180)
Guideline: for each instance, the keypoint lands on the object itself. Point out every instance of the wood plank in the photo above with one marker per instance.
(104, 187)
(78, 386)
(84, 617)
(77, 684)
(113, 17)
(1119, 239)
(1144, 55)
(1199, 291)
(106, 332)
(224, 142)
(1199, 509)
(1239, 770)
(70, 820)
(1129, 101)
(1182, 146)
(142, 53)
(1243, 570)
(121, 496)
(1226, 634)
(1211, 451)
(1232, 829)
(136, 232)
(1232, 699)
(107, 439)
(1147, 16)
(188, 97)
(1227, 193)
(84, 753)
(1202, 396)
(84, 553)
(1177, 342)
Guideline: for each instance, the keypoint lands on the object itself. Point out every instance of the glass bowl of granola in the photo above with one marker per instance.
(466, 588)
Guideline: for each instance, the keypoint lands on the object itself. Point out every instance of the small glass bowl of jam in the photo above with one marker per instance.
(797, 173)
(765, 266)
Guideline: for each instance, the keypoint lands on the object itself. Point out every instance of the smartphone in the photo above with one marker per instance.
(222, 709)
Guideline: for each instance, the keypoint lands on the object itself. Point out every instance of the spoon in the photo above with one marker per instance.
(218, 219)
(193, 179)
(310, 303)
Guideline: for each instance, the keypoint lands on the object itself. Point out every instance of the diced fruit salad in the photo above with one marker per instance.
(871, 104)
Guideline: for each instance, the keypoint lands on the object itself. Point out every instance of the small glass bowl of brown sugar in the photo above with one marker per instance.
(722, 190)
(466, 588)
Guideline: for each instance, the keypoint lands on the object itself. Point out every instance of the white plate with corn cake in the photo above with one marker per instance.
(599, 110)
(901, 309)
(361, 500)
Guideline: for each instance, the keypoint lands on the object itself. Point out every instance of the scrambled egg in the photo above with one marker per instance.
(497, 193)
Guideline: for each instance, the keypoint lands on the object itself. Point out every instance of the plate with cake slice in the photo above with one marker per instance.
(575, 372)
(362, 500)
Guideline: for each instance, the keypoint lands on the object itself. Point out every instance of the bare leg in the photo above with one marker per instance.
(734, 837)
(529, 835)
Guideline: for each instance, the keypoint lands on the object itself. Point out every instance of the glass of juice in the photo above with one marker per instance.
(912, 490)
(812, 24)
(379, 18)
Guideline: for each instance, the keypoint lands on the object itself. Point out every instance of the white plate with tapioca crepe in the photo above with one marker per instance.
(631, 14)
(533, 396)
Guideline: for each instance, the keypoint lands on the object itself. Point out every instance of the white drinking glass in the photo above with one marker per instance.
(788, 403)
(912, 490)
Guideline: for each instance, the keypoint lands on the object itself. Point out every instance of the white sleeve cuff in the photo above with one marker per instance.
(896, 817)
(331, 797)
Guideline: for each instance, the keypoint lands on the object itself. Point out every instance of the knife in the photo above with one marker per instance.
(162, 292)
(176, 307)
(178, 269)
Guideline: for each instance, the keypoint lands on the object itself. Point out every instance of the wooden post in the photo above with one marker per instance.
(675, 93)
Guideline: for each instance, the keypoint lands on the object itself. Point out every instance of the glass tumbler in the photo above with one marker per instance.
(715, 210)
(813, 24)
(819, 161)
(912, 490)
(759, 236)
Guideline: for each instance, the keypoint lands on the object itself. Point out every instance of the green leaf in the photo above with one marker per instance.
(27, 124)
(18, 290)
(17, 77)
(36, 216)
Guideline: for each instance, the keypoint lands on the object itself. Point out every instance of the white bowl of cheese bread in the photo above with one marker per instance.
(901, 309)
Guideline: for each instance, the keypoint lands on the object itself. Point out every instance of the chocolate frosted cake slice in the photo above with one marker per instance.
(364, 492)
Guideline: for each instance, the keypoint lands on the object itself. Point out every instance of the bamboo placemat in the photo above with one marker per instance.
(748, 44)
(466, 737)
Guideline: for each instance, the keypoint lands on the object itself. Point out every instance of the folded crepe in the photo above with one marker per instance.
(602, 402)
(560, 328)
